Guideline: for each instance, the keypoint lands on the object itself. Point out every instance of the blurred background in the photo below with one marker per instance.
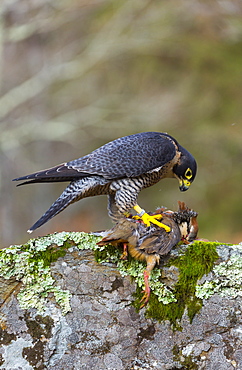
(76, 74)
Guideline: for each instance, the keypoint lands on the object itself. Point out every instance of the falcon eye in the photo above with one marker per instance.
(188, 173)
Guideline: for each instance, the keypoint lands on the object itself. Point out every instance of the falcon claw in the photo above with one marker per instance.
(136, 217)
(147, 219)
(158, 216)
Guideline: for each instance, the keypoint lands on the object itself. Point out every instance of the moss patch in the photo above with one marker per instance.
(168, 303)
(30, 264)
(197, 260)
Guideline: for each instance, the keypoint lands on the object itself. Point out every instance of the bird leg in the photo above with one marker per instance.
(152, 260)
(125, 252)
(147, 219)
(146, 295)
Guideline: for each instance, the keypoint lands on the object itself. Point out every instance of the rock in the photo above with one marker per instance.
(104, 331)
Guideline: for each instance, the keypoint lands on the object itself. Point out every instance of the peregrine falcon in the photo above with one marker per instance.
(119, 169)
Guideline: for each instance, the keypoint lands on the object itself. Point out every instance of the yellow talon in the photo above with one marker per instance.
(147, 219)
(136, 217)
(158, 216)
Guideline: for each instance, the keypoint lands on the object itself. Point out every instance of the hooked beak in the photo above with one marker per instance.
(184, 184)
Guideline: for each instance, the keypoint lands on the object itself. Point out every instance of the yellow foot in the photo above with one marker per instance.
(157, 217)
(147, 219)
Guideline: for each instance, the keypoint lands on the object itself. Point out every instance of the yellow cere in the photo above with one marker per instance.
(186, 183)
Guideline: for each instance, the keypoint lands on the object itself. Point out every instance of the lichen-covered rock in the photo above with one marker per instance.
(104, 331)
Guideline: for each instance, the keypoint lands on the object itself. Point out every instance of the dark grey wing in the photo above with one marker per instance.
(129, 156)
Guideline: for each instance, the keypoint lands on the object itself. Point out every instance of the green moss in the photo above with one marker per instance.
(30, 264)
(107, 253)
(197, 260)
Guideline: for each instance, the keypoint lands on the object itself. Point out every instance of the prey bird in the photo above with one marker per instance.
(152, 243)
(119, 169)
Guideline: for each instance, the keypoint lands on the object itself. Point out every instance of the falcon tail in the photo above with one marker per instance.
(59, 173)
(69, 195)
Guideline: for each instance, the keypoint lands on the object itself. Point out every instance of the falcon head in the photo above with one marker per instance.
(185, 170)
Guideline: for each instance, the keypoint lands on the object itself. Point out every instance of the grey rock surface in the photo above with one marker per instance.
(103, 330)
